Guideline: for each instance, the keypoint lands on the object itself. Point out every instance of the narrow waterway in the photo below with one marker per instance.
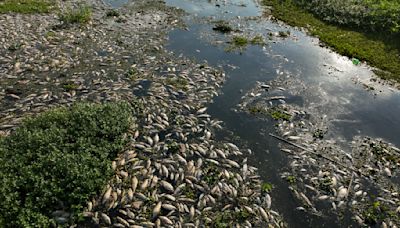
(327, 84)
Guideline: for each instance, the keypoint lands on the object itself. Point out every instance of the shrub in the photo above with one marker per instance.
(81, 15)
(56, 161)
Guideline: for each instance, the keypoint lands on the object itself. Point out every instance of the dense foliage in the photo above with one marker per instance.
(55, 162)
(375, 15)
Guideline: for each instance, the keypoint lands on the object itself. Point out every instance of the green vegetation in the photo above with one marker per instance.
(383, 152)
(53, 163)
(372, 15)
(81, 15)
(266, 187)
(257, 110)
(222, 26)
(284, 34)
(257, 40)
(14, 47)
(325, 184)
(50, 34)
(132, 73)
(229, 218)
(189, 192)
(319, 134)
(70, 86)
(26, 6)
(240, 41)
(275, 113)
(376, 212)
(291, 179)
(348, 32)
(278, 114)
(112, 13)
(210, 174)
(179, 83)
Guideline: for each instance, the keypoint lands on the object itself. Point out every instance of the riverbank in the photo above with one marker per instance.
(173, 170)
(380, 49)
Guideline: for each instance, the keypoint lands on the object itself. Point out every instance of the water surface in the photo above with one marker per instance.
(331, 86)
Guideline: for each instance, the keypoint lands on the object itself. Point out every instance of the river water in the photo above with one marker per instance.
(331, 86)
(326, 84)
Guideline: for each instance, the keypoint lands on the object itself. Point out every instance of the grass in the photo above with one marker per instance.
(57, 161)
(379, 49)
(26, 6)
(81, 15)
(240, 41)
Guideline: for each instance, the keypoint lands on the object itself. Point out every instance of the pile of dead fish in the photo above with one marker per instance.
(44, 63)
(174, 174)
(322, 175)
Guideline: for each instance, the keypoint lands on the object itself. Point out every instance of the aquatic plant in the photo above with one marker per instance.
(257, 40)
(278, 114)
(266, 187)
(81, 15)
(222, 26)
(239, 41)
(291, 179)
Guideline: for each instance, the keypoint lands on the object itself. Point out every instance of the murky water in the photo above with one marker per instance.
(116, 3)
(330, 86)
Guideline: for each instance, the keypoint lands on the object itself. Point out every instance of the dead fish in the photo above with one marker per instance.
(323, 197)
(264, 214)
(156, 139)
(157, 209)
(268, 201)
(387, 172)
(202, 110)
(169, 207)
(105, 218)
(107, 195)
(144, 184)
(166, 220)
(306, 200)
(134, 183)
(342, 193)
(167, 186)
